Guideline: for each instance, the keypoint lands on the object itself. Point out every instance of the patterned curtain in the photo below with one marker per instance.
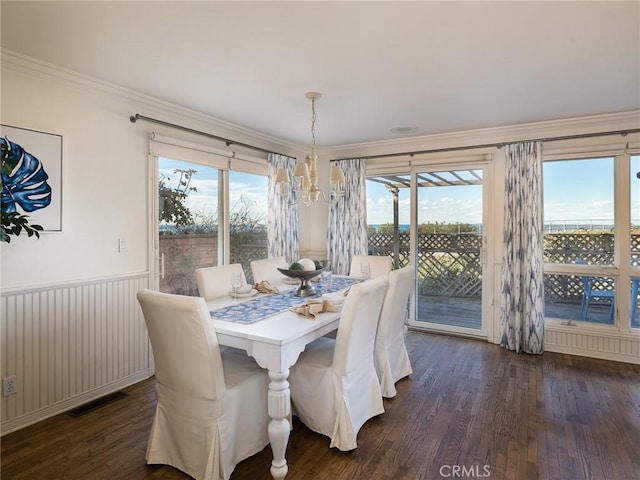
(282, 225)
(522, 296)
(347, 225)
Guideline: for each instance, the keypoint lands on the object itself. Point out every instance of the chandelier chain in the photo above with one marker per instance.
(313, 126)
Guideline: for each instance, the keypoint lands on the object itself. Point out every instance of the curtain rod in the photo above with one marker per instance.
(624, 133)
(227, 142)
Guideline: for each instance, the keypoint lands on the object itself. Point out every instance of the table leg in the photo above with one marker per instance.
(279, 407)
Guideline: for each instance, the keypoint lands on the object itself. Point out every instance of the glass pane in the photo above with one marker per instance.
(449, 248)
(188, 222)
(634, 245)
(579, 211)
(582, 298)
(635, 302)
(635, 210)
(384, 204)
(248, 219)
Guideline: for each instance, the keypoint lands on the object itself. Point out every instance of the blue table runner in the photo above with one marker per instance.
(268, 305)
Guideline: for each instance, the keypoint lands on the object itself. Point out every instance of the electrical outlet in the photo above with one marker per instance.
(9, 385)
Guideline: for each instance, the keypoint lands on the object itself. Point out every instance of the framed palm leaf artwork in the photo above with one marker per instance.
(31, 177)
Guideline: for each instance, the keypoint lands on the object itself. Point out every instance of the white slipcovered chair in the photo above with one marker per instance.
(390, 355)
(212, 408)
(266, 269)
(215, 282)
(334, 386)
(378, 264)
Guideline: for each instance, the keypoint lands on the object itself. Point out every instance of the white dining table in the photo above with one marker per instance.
(275, 343)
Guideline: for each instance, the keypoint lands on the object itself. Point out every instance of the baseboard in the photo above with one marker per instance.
(69, 404)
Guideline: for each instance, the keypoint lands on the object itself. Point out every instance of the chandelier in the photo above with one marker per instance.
(305, 176)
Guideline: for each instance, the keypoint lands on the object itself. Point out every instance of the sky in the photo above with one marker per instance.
(243, 187)
(437, 204)
(588, 199)
(592, 196)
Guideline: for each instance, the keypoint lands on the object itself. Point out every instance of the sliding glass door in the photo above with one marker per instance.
(189, 233)
(206, 216)
(449, 248)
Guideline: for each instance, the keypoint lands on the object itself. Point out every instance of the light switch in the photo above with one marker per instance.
(122, 245)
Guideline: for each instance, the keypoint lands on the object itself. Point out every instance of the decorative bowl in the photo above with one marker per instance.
(305, 289)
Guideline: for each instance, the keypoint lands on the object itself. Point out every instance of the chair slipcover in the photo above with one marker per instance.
(266, 269)
(215, 282)
(391, 357)
(379, 265)
(334, 386)
(211, 409)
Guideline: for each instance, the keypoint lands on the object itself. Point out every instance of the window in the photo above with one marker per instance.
(579, 211)
(586, 262)
(247, 219)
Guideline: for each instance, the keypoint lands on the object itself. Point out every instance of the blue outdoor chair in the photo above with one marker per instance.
(590, 293)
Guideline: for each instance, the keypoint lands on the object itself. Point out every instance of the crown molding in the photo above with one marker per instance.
(145, 104)
(494, 135)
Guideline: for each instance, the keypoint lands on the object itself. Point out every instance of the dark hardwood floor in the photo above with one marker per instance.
(470, 410)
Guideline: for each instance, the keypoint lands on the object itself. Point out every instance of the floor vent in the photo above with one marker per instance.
(100, 402)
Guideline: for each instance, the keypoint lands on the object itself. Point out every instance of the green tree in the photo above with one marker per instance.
(243, 219)
(172, 206)
(451, 228)
(386, 228)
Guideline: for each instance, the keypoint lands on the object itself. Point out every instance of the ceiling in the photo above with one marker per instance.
(423, 67)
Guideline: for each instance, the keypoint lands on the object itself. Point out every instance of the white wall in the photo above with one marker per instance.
(104, 184)
(312, 220)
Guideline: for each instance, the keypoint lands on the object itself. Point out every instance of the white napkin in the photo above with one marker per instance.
(336, 298)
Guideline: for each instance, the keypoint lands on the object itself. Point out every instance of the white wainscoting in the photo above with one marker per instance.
(69, 344)
(588, 343)
(619, 347)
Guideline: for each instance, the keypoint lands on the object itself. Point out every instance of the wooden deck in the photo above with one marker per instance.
(465, 311)
(452, 311)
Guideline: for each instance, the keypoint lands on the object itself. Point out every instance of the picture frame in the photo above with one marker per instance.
(47, 149)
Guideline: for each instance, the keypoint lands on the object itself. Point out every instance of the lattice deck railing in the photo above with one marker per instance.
(450, 264)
